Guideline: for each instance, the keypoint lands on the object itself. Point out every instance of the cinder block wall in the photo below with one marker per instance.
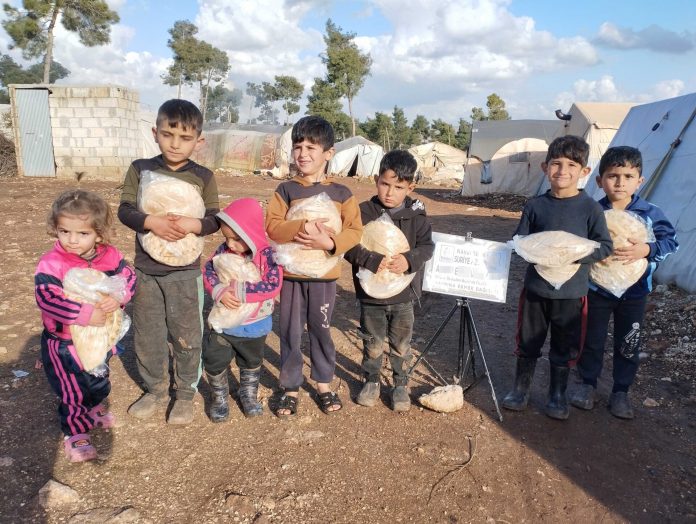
(95, 130)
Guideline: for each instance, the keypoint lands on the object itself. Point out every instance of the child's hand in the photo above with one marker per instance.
(108, 304)
(98, 317)
(635, 251)
(189, 224)
(383, 264)
(229, 300)
(166, 228)
(398, 264)
(316, 235)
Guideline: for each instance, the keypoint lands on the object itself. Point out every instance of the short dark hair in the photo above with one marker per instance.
(177, 112)
(315, 129)
(569, 146)
(401, 162)
(621, 156)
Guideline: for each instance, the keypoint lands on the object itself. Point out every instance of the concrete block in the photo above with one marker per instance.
(76, 102)
(105, 152)
(74, 122)
(78, 92)
(90, 122)
(107, 102)
(93, 161)
(97, 132)
(64, 161)
(64, 112)
(78, 161)
(92, 142)
(110, 141)
(79, 132)
(83, 112)
(60, 132)
(100, 92)
(109, 122)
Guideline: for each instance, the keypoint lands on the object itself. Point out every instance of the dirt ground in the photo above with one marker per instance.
(361, 464)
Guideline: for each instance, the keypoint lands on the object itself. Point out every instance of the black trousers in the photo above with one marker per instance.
(628, 321)
(565, 318)
(219, 349)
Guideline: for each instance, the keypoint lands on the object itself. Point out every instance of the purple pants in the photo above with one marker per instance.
(311, 303)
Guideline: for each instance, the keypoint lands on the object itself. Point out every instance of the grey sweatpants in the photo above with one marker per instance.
(308, 303)
(169, 305)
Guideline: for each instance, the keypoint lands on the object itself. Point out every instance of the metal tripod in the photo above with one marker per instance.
(466, 356)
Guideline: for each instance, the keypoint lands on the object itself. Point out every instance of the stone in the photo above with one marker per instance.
(444, 399)
(650, 403)
(54, 494)
(240, 504)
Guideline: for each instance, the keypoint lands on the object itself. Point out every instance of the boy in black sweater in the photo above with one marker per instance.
(562, 208)
(392, 318)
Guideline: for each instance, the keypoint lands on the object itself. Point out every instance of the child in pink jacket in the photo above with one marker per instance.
(242, 224)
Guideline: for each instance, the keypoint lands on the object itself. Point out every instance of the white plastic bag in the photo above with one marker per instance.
(554, 253)
(160, 195)
(93, 343)
(383, 237)
(615, 275)
(314, 263)
(231, 267)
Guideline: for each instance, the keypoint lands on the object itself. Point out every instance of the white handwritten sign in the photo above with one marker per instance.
(472, 268)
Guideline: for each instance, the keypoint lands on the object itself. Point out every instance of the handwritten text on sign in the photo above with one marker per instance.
(472, 268)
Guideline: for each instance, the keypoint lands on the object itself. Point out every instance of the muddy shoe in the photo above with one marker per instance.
(146, 406)
(369, 394)
(583, 398)
(181, 413)
(400, 399)
(620, 406)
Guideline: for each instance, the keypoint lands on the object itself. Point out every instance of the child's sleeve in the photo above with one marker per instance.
(351, 233)
(277, 227)
(359, 255)
(269, 285)
(665, 236)
(126, 272)
(209, 223)
(128, 212)
(599, 232)
(424, 247)
(51, 299)
(525, 224)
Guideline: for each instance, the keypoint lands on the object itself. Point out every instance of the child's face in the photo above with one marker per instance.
(563, 174)
(176, 143)
(233, 241)
(620, 184)
(311, 159)
(390, 190)
(76, 234)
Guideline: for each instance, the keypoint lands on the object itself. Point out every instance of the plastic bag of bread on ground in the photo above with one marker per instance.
(554, 253)
(93, 343)
(230, 268)
(161, 195)
(615, 275)
(314, 263)
(383, 237)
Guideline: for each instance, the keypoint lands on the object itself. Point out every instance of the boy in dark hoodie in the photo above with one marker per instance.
(242, 224)
(392, 318)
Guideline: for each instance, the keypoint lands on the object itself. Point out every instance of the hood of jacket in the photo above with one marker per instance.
(245, 217)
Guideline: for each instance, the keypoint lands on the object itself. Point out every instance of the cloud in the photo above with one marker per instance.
(653, 38)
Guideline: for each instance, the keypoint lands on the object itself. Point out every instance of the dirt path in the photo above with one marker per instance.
(360, 465)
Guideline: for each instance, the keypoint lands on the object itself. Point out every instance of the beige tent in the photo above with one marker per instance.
(438, 162)
(597, 123)
(357, 157)
(505, 156)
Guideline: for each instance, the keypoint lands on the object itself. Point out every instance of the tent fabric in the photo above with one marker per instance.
(356, 156)
(439, 161)
(488, 136)
(515, 168)
(653, 128)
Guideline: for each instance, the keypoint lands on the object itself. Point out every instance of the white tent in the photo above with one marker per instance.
(665, 133)
(357, 157)
(505, 156)
(597, 123)
(438, 161)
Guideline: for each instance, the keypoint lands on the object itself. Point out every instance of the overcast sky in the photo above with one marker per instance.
(438, 58)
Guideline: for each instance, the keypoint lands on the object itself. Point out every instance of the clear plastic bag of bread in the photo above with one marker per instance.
(554, 253)
(314, 263)
(232, 268)
(93, 343)
(383, 237)
(161, 195)
(615, 275)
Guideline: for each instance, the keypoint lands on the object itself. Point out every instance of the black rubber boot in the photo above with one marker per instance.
(517, 399)
(248, 391)
(219, 409)
(557, 406)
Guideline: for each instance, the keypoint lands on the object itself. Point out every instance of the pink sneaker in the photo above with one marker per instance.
(102, 418)
(78, 448)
